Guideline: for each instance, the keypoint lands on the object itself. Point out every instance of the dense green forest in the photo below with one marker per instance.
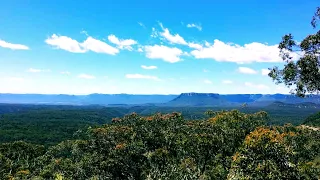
(225, 145)
(49, 125)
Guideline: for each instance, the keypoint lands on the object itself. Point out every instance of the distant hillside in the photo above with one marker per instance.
(313, 120)
(98, 99)
(184, 99)
(199, 99)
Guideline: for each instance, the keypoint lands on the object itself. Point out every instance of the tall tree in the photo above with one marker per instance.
(302, 75)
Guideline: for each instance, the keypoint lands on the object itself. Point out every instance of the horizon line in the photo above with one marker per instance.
(142, 94)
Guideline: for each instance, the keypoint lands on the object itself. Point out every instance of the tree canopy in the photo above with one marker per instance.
(302, 68)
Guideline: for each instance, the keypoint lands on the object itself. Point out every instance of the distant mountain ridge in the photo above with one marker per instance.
(184, 99)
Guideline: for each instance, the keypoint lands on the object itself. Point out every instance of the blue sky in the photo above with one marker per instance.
(144, 47)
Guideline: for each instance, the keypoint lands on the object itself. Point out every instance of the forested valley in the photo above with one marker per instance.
(115, 143)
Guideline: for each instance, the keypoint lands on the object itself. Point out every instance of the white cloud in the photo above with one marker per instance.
(71, 45)
(165, 53)
(248, 53)
(99, 46)
(140, 76)
(195, 46)
(140, 50)
(122, 43)
(265, 72)
(194, 26)
(86, 76)
(227, 82)
(246, 70)
(256, 86)
(33, 70)
(148, 67)
(5, 44)
(65, 43)
(175, 39)
(207, 81)
(65, 72)
(205, 70)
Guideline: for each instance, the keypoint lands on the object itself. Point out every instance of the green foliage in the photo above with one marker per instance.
(303, 74)
(17, 159)
(49, 127)
(313, 120)
(159, 146)
(283, 152)
(227, 145)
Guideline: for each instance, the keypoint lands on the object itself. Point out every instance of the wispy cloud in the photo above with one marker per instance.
(248, 53)
(33, 70)
(86, 76)
(122, 43)
(265, 72)
(198, 26)
(165, 53)
(141, 24)
(175, 39)
(246, 70)
(148, 67)
(90, 44)
(154, 33)
(227, 82)
(12, 46)
(141, 76)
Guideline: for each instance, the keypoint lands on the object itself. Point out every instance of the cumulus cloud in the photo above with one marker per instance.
(165, 53)
(122, 43)
(206, 81)
(227, 82)
(141, 76)
(174, 39)
(194, 26)
(256, 86)
(12, 46)
(246, 70)
(90, 44)
(148, 67)
(248, 53)
(86, 76)
(265, 72)
(33, 70)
